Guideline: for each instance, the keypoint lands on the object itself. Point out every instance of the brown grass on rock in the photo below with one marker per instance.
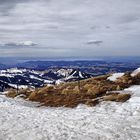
(126, 79)
(32, 96)
(136, 79)
(123, 97)
(92, 102)
(91, 92)
(117, 97)
(88, 86)
(102, 77)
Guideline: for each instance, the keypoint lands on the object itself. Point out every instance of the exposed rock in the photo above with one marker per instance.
(123, 97)
(117, 97)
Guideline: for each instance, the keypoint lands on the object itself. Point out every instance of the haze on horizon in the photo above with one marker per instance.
(69, 28)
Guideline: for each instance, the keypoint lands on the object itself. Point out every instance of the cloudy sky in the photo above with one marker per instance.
(69, 28)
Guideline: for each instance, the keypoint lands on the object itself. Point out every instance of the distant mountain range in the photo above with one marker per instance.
(42, 65)
(23, 78)
(90, 66)
(2, 66)
(39, 73)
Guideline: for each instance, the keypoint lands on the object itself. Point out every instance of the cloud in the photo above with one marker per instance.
(18, 44)
(27, 43)
(96, 42)
(67, 25)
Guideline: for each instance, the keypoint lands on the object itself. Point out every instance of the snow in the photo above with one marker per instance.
(64, 72)
(19, 86)
(71, 76)
(21, 120)
(48, 81)
(34, 77)
(36, 72)
(15, 70)
(45, 81)
(135, 72)
(115, 76)
(59, 82)
(12, 72)
(80, 74)
(6, 75)
(134, 89)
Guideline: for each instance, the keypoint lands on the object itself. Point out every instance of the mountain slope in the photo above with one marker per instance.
(89, 91)
(108, 120)
(29, 78)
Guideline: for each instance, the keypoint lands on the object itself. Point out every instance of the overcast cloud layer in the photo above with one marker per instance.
(80, 28)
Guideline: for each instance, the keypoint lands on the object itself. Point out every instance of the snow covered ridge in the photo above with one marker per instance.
(96, 90)
(135, 72)
(31, 78)
(115, 76)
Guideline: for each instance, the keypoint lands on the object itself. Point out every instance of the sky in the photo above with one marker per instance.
(69, 28)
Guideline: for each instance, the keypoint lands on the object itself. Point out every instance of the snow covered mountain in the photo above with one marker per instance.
(66, 75)
(24, 78)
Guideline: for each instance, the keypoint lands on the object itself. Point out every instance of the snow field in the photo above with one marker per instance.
(20, 120)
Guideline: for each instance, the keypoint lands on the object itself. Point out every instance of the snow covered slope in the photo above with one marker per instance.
(66, 74)
(115, 76)
(21, 120)
(135, 72)
(22, 77)
(31, 78)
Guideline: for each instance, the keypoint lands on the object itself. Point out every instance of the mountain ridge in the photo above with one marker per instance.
(24, 78)
(89, 91)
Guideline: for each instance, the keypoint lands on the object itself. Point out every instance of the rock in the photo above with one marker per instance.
(123, 97)
(117, 97)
